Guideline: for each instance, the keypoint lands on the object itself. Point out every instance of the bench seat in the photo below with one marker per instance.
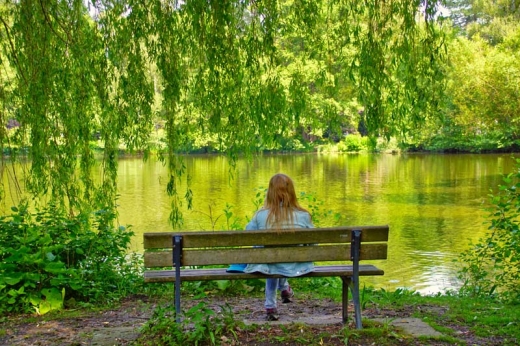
(221, 274)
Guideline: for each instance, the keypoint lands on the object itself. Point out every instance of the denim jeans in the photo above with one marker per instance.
(271, 287)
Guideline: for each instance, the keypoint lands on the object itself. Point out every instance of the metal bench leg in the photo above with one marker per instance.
(346, 283)
(354, 288)
(177, 247)
(177, 301)
(354, 285)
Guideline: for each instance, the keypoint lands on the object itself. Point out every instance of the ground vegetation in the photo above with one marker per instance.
(217, 318)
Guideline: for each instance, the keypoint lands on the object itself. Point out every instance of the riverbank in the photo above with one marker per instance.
(234, 319)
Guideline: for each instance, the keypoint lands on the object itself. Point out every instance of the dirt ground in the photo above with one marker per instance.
(134, 312)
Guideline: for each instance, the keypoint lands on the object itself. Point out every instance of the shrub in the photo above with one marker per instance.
(48, 257)
(491, 267)
(351, 143)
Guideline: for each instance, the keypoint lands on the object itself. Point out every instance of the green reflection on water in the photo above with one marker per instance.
(432, 203)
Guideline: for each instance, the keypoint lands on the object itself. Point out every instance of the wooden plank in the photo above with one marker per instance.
(266, 237)
(221, 274)
(320, 253)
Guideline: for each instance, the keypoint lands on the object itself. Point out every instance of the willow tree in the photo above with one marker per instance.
(75, 69)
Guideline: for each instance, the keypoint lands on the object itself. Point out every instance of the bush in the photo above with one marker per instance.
(492, 266)
(351, 143)
(47, 258)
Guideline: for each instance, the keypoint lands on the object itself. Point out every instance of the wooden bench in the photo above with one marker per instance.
(335, 246)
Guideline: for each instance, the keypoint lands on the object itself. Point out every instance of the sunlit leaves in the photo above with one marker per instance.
(491, 20)
(244, 74)
(486, 91)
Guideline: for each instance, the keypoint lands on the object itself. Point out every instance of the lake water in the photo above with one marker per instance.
(434, 204)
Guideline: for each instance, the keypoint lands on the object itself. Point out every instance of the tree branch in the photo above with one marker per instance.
(48, 21)
(13, 50)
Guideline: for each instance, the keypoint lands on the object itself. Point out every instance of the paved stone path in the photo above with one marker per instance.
(114, 336)
(413, 326)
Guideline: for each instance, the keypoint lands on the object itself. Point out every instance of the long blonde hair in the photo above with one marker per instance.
(281, 201)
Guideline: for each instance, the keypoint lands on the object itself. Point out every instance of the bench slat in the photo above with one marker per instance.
(321, 253)
(266, 237)
(221, 274)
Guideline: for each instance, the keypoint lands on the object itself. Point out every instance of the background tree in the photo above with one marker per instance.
(480, 109)
(492, 20)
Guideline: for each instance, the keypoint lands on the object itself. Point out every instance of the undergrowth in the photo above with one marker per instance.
(461, 320)
(49, 260)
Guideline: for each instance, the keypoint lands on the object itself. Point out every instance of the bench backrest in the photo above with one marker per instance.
(226, 247)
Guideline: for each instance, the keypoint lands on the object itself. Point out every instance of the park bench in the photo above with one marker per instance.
(177, 257)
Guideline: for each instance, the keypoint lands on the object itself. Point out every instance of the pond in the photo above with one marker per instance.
(433, 203)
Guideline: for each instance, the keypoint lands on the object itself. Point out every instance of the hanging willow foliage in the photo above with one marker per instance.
(238, 70)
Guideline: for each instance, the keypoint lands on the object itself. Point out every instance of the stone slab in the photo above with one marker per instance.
(412, 326)
(114, 336)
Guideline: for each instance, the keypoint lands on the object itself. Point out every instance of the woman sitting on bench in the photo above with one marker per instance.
(281, 211)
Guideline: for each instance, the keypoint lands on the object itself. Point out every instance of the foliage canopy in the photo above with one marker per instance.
(240, 72)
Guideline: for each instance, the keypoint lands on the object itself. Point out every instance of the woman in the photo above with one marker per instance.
(281, 210)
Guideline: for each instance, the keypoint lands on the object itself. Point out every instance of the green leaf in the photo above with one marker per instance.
(223, 284)
(54, 267)
(53, 300)
(13, 279)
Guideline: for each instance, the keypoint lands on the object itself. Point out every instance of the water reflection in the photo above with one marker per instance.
(432, 203)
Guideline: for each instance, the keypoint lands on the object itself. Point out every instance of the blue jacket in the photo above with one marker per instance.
(259, 222)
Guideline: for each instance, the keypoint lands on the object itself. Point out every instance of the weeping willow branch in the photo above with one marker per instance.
(245, 73)
(49, 23)
(12, 48)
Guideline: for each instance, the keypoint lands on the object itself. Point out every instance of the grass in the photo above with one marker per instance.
(462, 320)
(483, 317)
